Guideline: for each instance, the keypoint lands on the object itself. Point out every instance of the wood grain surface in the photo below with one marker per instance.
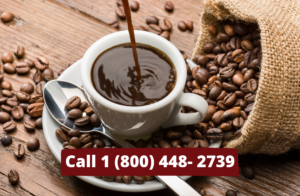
(62, 30)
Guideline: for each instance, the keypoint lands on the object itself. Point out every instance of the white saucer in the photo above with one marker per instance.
(72, 74)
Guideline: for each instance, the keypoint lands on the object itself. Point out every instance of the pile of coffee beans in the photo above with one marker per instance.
(14, 105)
(227, 76)
(81, 112)
(160, 27)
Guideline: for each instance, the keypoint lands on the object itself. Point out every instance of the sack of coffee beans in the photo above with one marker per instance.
(273, 125)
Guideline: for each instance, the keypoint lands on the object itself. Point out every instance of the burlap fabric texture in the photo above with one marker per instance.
(273, 125)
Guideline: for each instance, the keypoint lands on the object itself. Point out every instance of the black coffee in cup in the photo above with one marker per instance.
(115, 78)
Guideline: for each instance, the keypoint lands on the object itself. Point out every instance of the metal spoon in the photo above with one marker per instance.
(56, 94)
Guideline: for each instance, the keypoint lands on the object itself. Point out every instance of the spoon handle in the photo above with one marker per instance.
(179, 186)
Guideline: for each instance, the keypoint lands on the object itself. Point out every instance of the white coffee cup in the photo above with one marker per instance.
(140, 121)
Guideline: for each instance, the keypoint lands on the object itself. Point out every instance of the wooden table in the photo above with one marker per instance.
(62, 30)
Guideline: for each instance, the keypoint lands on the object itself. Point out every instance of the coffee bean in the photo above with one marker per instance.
(238, 122)
(9, 68)
(240, 29)
(95, 120)
(208, 47)
(223, 37)
(248, 171)
(23, 97)
(41, 63)
(214, 134)
(69, 147)
(29, 62)
(238, 79)
(74, 133)
(19, 151)
(6, 17)
(6, 85)
(13, 101)
(83, 105)
(230, 99)
(139, 179)
(214, 92)
(35, 109)
(89, 110)
(7, 93)
(19, 51)
(100, 143)
(229, 87)
(165, 34)
(48, 75)
(73, 102)
(157, 136)
(6, 140)
(27, 87)
(243, 114)
(227, 72)
(108, 178)
(255, 64)
(85, 138)
(6, 108)
(230, 114)
(165, 24)
(1, 77)
(226, 126)
(13, 177)
(7, 58)
(185, 139)
(247, 45)
(217, 117)
(61, 136)
(89, 145)
(127, 179)
(152, 20)
(193, 144)
(65, 144)
(39, 123)
(238, 55)
(249, 108)
(210, 112)
(33, 144)
(212, 29)
(17, 112)
(222, 95)
(217, 49)
(37, 98)
(75, 113)
(248, 75)
(142, 28)
(229, 30)
(230, 193)
(252, 85)
(169, 6)
(213, 70)
(234, 43)
(82, 121)
(190, 25)
(75, 141)
(40, 87)
(134, 6)
(153, 28)
(239, 94)
(4, 117)
(9, 126)
(37, 76)
(200, 93)
(29, 126)
(182, 25)
(221, 59)
(164, 144)
(249, 98)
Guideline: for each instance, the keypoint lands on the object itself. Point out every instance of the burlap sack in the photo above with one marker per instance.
(273, 125)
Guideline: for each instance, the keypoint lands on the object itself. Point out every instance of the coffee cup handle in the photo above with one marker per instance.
(191, 100)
